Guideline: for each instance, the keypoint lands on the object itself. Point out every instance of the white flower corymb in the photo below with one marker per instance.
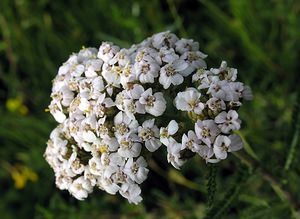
(115, 106)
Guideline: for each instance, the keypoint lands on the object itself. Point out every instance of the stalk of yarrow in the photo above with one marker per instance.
(115, 105)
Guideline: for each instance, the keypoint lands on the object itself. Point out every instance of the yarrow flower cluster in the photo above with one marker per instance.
(116, 105)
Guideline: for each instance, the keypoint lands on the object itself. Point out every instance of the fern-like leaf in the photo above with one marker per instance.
(231, 195)
(211, 184)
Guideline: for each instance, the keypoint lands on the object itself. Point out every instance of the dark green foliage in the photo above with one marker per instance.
(260, 38)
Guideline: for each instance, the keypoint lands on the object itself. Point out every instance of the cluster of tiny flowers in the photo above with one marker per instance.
(115, 106)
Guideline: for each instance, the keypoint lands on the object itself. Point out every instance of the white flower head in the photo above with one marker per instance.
(101, 96)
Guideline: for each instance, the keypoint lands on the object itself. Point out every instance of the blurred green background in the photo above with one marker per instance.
(260, 38)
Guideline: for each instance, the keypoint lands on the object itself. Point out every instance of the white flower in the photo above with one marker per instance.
(221, 146)
(189, 100)
(131, 107)
(93, 66)
(127, 100)
(173, 155)
(63, 94)
(97, 87)
(108, 185)
(149, 133)
(80, 188)
(124, 125)
(104, 145)
(130, 146)
(206, 153)
(221, 90)
(95, 166)
(171, 73)
(145, 54)
(102, 105)
(224, 144)
(127, 76)
(62, 181)
(224, 72)
(135, 91)
(166, 133)
(89, 176)
(74, 69)
(111, 74)
(237, 89)
(204, 78)
(167, 55)
(107, 51)
(146, 71)
(206, 131)
(112, 160)
(131, 192)
(121, 57)
(155, 104)
(85, 105)
(185, 45)
(215, 104)
(228, 121)
(88, 136)
(164, 39)
(191, 142)
(74, 163)
(194, 60)
(136, 170)
(86, 54)
(57, 111)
